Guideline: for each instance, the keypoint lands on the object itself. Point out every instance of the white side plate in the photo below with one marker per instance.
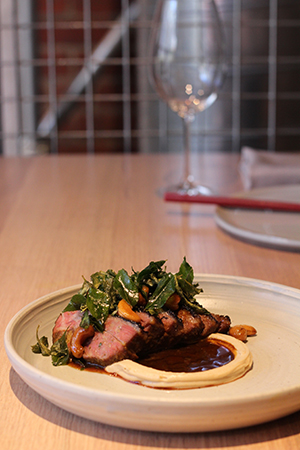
(269, 228)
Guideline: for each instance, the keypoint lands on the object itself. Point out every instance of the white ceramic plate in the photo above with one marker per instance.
(270, 228)
(270, 390)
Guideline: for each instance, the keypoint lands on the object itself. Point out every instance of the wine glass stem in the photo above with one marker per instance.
(187, 148)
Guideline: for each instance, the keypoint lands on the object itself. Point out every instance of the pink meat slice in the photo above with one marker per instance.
(105, 349)
(66, 322)
(121, 339)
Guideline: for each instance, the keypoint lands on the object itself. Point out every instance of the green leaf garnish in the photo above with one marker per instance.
(76, 302)
(59, 351)
(165, 288)
(186, 271)
(153, 270)
(98, 304)
(42, 345)
(85, 321)
(126, 287)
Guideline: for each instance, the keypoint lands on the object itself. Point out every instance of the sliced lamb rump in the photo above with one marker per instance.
(127, 332)
(192, 326)
(153, 330)
(224, 323)
(66, 322)
(197, 326)
(121, 339)
(210, 325)
(105, 349)
(173, 329)
(171, 324)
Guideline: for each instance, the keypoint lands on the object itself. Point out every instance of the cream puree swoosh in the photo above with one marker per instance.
(147, 376)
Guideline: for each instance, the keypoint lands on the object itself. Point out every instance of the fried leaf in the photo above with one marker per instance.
(126, 288)
(85, 287)
(153, 269)
(59, 352)
(98, 304)
(196, 306)
(42, 345)
(97, 279)
(98, 326)
(188, 289)
(187, 292)
(36, 348)
(85, 321)
(103, 280)
(186, 271)
(76, 302)
(165, 288)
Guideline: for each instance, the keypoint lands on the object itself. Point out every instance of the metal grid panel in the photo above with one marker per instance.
(74, 79)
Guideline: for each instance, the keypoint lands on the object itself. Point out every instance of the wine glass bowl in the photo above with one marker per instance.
(187, 66)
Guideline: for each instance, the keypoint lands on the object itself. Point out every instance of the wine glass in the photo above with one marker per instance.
(187, 66)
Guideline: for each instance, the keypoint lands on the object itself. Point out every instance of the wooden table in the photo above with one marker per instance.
(67, 216)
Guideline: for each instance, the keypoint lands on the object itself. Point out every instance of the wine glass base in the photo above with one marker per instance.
(190, 188)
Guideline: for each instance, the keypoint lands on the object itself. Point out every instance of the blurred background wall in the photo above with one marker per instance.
(73, 78)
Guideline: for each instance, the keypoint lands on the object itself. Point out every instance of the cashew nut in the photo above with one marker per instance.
(125, 311)
(79, 337)
(241, 332)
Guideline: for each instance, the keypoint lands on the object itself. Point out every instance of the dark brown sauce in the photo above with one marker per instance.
(204, 355)
(88, 366)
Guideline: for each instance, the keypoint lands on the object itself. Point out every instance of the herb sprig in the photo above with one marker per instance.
(59, 351)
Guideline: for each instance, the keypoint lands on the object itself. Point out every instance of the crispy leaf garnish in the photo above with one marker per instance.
(165, 288)
(85, 321)
(59, 351)
(153, 270)
(76, 302)
(186, 271)
(42, 345)
(98, 304)
(126, 287)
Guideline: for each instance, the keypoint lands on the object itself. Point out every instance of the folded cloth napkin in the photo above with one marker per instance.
(260, 168)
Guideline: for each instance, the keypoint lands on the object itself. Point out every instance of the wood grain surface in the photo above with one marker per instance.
(62, 217)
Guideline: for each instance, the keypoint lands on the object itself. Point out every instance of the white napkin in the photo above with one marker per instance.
(260, 168)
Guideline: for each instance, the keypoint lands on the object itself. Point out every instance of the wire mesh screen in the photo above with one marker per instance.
(74, 79)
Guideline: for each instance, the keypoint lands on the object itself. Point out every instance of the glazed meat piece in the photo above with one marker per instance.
(173, 329)
(210, 325)
(192, 326)
(198, 326)
(224, 323)
(153, 330)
